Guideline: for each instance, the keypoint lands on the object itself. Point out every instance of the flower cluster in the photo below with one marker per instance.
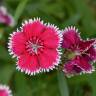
(5, 91)
(37, 47)
(80, 53)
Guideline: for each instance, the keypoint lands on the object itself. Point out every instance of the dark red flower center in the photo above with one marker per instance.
(34, 45)
(77, 69)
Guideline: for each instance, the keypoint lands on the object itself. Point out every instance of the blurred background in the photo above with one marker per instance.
(81, 13)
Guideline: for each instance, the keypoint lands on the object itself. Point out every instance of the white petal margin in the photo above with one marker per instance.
(10, 45)
(81, 73)
(7, 89)
(72, 28)
(93, 44)
(48, 25)
(26, 71)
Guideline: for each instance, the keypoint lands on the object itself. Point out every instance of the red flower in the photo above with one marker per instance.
(81, 52)
(5, 17)
(5, 91)
(36, 46)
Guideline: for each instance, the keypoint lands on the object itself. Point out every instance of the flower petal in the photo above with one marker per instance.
(17, 43)
(85, 45)
(50, 37)
(71, 68)
(87, 57)
(84, 64)
(92, 53)
(48, 59)
(28, 64)
(70, 38)
(33, 28)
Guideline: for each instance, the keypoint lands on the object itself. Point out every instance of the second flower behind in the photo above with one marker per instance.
(80, 53)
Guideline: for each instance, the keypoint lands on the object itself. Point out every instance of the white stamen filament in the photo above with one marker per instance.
(35, 47)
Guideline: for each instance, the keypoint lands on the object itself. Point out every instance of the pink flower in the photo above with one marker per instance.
(81, 52)
(5, 17)
(36, 47)
(5, 91)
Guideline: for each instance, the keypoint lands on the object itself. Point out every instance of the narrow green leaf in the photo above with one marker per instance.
(20, 9)
(63, 87)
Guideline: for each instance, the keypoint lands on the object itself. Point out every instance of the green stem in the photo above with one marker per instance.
(63, 87)
(19, 10)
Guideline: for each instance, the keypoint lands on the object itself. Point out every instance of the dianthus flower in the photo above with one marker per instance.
(5, 17)
(36, 47)
(80, 53)
(5, 91)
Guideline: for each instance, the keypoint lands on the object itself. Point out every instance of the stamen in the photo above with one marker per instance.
(33, 45)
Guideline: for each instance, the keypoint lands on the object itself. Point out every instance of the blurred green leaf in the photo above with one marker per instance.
(21, 85)
(63, 87)
(73, 20)
(4, 53)
(19, 10)
(6, 72)
(87, 18)
(92, 83)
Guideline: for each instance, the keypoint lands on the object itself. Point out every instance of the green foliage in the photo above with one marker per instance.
(80, 13)
(63, 87)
